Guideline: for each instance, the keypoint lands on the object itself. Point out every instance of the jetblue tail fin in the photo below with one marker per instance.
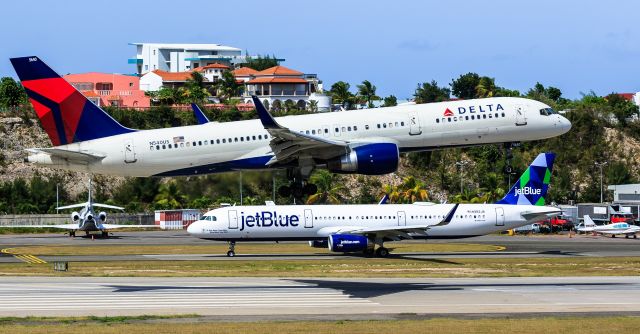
(66, 115)
(532, 186)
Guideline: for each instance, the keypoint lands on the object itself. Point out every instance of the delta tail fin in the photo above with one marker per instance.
(65, 114)
(532, 186)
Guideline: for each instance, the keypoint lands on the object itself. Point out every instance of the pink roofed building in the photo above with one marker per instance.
(106, 89)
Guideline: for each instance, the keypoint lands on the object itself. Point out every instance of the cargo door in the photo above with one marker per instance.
(129, 152)
(521, 116)
(414, 124)
(499, 217)
(308, 218)
(402, 218)
(233, 219)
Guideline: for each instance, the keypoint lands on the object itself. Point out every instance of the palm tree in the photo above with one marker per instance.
(367, 91)
(312, 106)
(194, 89)
(329, 189)
(169, 196)
(486, 87)
(227, 87)
(409, 191)
(341, 94)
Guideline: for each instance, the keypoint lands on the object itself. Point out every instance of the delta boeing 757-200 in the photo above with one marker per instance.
(359, 228)
(85, 138)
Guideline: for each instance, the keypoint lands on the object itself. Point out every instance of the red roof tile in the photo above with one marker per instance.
(276, 80)
(173, 76)
(278, 70)
(243, 71)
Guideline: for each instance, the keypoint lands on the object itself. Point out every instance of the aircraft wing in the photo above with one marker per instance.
(288, 145)
(83, 156)
(114, 226)
(61, 226)
(107, 206)
(81, 205)
(401, 232)
(529, 216)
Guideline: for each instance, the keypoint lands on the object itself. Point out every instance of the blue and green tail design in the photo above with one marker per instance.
(532, 186)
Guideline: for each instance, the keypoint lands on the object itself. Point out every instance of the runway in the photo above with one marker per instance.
(548, 246)
(238, 298)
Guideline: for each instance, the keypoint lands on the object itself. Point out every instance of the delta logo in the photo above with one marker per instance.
(528, 191)
(475, 109)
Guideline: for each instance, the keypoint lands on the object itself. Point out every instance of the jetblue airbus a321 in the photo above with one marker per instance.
(87, 139)
(359, 228)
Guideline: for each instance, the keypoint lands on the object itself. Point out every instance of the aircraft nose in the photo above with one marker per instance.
(195, 228)
(564, 124)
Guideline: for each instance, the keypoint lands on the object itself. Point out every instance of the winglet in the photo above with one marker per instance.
(384, 199)
(265, 117)
(200, 116)
(448, 218)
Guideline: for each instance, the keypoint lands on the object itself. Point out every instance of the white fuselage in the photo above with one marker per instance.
(314, 222)
(615, 228)
(244, 145)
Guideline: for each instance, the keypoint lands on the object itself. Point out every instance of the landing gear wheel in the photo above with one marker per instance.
(232, 246)
(382, 252)
(72, 234)
(105, 234)
(613, 235)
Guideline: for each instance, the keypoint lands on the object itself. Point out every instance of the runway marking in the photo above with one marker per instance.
(23, 257)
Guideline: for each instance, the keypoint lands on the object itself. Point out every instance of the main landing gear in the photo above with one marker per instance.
(380, 250)
(299, 185)
(105, 234)
(232, 247)
(72, 234)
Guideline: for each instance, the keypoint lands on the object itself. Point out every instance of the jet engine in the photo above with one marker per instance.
(319, 243)
(103, 216)
(89, 217)
(75, 216)
(348, 243)
(369, 159)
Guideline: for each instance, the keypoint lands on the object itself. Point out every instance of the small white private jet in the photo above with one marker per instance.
(86, 219)
(589, 226)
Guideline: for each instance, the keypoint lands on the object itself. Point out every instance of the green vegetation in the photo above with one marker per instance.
(588, 324)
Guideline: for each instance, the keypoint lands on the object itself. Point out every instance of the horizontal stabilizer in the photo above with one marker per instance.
(68, 154)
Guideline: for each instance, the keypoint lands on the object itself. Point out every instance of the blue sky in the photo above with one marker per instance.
(577, 46)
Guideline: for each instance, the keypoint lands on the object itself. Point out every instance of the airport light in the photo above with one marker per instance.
(461, 164)
(600, 165)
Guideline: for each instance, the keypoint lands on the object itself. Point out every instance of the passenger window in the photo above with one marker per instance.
(355, 128)
(466, 118)
(366, 127)
(348, 128)
(151, 148)
(437, 120)
(396, 124)
(384, 125)
(307, 132)
(496, 115)
(337, 129)
(378, 126)
(181, 145)
(401, 123)
(164, 147)
(502, 114)
(157, 147)
(235, 139)
(326, 130)
(313, 132)
(253, 137)
(473, 117)
(484, 116)
(449, 119)
(344, 129)
(212, 142)
(248, 138)
(241, 139)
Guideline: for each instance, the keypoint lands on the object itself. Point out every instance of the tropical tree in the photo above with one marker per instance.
(227, 87)
(367, 92)
(390, 101)
(341, 94)
(194, 89)
(329, 188)
(486, 87)
(260, 63)
(169, 196)
(12, 94)
(430, 92)
(465, 86)
(167, 96)
(410, 190)
(312, 106)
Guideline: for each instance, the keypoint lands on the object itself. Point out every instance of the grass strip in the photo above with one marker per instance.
(347, 267)
(582, 325)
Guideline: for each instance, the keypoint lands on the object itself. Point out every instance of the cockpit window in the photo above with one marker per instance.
(547, 111)
(209, 218)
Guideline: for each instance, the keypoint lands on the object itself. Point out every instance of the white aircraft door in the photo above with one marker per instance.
(499, 217)
(402, 218)
(308, 218)
(414, 124)
(129, 151)
(233, 219)
(521, 117)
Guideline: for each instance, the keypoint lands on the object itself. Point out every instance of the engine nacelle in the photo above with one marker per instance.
(75, 216)
(103, 216)
(348, 243)
(369, 159)
(89, 217)
(319, 243)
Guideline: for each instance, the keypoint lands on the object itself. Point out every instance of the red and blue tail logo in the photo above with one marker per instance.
(66, 115)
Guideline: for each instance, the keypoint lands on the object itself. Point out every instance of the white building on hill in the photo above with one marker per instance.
(182, 57)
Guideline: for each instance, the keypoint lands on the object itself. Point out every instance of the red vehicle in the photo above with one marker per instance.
(622, 218)
(556, 224)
